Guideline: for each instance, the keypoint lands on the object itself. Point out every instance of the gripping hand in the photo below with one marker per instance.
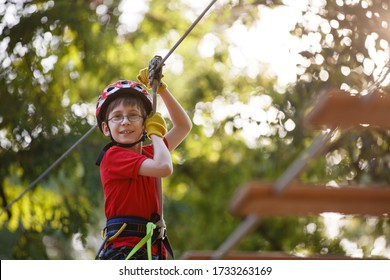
(155, 125)
(143, 79)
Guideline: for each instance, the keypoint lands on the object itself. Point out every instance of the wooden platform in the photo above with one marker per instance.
(334, 110)
(207, 255)
(341, 109)
(258, 198)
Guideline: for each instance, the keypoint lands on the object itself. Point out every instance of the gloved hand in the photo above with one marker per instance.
(155, 125)
(143, 78)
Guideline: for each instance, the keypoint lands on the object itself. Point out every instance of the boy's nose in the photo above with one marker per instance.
(125, 120)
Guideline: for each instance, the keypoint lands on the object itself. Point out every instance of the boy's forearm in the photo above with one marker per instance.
(176, 112)
(162, 158)
(181, 122)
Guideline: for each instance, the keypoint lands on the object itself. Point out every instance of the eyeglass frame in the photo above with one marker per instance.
(125, 116)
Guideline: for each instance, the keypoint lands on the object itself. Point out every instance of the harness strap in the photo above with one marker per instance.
(168, 246)
(117, 233)
(103, 152)
(147, 239)
(129, 229)
(135, 226)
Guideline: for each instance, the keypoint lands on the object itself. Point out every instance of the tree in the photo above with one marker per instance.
(45, 85)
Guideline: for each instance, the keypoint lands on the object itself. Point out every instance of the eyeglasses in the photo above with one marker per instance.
(120, 118)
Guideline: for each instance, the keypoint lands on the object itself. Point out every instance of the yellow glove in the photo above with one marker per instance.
(143, 78)
(155, 125)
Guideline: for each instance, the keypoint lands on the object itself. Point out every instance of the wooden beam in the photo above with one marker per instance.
(341, 109)
(259, 198)
(207, 255)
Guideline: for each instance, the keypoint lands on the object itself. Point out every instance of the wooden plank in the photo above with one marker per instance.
(207, 255)
(259, 198)
(343, 110)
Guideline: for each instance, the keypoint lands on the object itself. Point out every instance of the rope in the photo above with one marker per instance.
(117, 233)
(108, 239)
(54, 164)
(155, 84)
(186, 33)
(39, 178)
(147, 239)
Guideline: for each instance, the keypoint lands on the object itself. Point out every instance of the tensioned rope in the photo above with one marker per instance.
(54, 164)
(47, 171)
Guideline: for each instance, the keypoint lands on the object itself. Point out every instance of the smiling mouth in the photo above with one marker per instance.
(126, 132)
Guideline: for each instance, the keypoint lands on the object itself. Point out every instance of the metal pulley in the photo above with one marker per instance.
(155, 76)
(155, 69)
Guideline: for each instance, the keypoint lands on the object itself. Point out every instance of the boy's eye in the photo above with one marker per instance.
(133, 117)
(118, 118)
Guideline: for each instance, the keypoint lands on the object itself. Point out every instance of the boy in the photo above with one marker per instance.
(128, 169)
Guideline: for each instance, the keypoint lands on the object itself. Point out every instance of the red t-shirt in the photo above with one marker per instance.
(125, 192)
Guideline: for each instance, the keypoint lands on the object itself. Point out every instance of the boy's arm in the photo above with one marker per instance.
(181, 122)
(161, 163)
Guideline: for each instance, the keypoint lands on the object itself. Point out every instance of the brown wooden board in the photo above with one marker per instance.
(343, 110)
(207, 255)
(259, 198)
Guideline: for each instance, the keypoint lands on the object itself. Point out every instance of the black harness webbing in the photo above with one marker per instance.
(135, 226)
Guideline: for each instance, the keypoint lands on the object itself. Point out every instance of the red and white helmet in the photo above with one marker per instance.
(117, 89)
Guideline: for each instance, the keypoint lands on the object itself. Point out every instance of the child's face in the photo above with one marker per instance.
(128, 130)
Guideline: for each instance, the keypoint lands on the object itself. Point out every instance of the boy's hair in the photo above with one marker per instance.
(126, 100)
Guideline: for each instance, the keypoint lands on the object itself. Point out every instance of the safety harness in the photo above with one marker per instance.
(138, 227)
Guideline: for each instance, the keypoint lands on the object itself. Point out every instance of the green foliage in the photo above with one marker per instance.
(57, 57)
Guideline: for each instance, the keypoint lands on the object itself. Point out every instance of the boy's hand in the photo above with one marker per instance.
(155, 125)
(143, 79)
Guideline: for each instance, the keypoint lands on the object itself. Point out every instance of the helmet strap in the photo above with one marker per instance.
(141, 139)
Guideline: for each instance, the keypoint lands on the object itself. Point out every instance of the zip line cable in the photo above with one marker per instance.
(54, 164)
(186, 33)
